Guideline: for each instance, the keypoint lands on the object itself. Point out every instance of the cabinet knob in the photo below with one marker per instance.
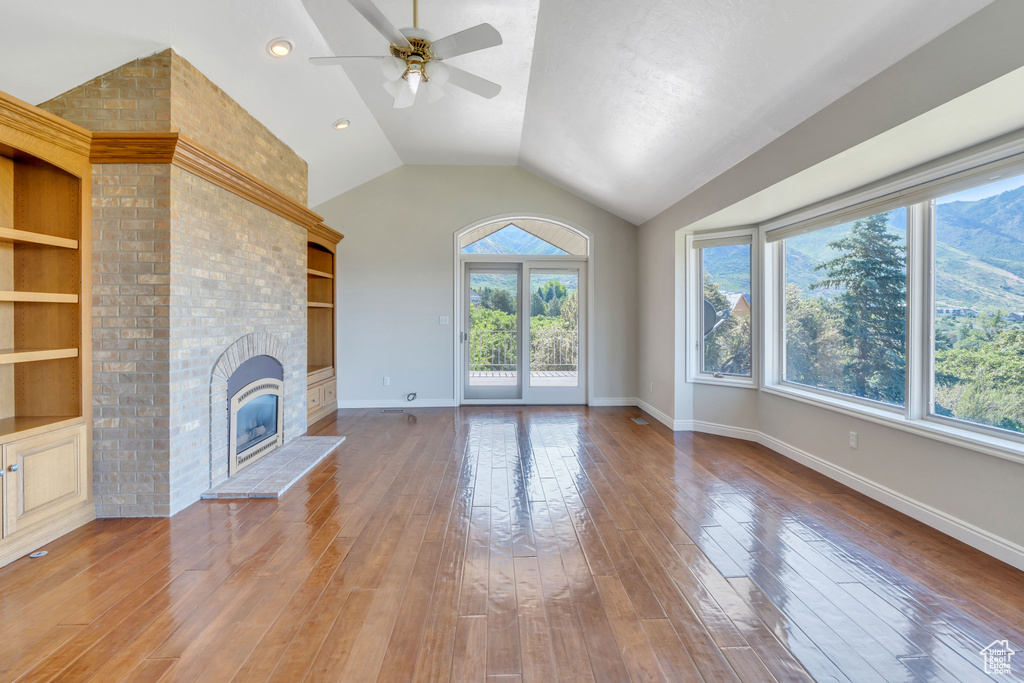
(14, 468)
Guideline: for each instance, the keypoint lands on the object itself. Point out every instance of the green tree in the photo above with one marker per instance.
(983, 384)
(571, 312)
(492, 339)
(814, 341)
(727, 347)
(537, 305)
(870, 275)
(553, 290)
(498, 300)
(554, 340)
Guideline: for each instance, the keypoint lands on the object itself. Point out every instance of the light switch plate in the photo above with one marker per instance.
(443, 320)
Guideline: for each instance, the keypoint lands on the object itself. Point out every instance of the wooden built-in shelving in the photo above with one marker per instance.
(30, 426)
(321, 267)
(45, 354)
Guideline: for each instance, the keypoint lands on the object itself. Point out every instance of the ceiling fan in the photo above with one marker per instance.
(416, 63)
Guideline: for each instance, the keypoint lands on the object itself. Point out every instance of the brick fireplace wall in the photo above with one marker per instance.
(182, 269)
(235, 269)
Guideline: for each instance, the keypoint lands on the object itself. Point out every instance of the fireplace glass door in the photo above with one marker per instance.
(257, 422)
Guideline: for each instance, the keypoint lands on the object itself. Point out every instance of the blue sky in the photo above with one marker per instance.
(976, 193)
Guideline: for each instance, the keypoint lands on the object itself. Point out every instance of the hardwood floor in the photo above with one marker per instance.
(506, 544)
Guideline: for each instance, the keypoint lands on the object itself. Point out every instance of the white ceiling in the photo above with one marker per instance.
(631, 104)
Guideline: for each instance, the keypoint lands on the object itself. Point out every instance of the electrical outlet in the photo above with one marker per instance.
(854, 440)
(387, 381)
(443, 320)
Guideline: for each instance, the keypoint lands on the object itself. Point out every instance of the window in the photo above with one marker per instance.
(903, 305)
(907, 305)
(844, 308)
(978, 302)
(527, 236)
(723, 312)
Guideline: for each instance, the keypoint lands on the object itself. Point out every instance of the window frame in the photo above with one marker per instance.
(778, 331)
(927, 388)
(916, 190)
(695, 244)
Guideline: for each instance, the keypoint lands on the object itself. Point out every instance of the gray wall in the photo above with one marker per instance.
(396, 276)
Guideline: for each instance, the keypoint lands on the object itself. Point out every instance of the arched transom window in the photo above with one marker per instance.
(523, 236)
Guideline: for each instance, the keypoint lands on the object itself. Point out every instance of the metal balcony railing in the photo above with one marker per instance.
(551, 350)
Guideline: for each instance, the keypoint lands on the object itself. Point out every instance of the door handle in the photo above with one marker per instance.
(465, 336)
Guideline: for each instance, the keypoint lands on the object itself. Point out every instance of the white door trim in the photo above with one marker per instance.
(457, 281)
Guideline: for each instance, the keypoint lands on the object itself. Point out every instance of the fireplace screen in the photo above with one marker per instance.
(256, 416)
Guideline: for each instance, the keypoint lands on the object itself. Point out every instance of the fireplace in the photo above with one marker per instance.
(255, 411)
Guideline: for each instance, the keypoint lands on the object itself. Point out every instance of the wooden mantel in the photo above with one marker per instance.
(186, 154)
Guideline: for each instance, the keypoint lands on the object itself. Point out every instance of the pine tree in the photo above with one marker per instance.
(537, 304)
(870, 274)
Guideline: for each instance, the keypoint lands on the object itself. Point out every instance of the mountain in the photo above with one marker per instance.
(979, 252)
(495, 281)
(513, 240)
(729, 267)
(991, 229)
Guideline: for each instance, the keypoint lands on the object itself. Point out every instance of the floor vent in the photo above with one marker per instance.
(393, 410)
(639, 420)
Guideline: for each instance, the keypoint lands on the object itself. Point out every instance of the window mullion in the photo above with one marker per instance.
(919, 333)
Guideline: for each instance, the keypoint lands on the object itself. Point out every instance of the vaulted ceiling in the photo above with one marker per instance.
(631, 104)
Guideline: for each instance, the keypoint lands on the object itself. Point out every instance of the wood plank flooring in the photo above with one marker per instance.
(516, 544)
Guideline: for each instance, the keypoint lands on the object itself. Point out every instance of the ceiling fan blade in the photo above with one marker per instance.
(479, 37)
(337, 61)
(379, 22)
(472, 83)
(406, 98)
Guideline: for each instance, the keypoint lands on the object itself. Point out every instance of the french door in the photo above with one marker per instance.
(524, 332)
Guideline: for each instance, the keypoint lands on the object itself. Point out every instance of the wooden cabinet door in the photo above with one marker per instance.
(314, 399)
(44, 476)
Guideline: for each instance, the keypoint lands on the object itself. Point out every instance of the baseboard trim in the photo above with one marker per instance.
(398, 403)
(612, 402)
(974, 536)
(674, 425)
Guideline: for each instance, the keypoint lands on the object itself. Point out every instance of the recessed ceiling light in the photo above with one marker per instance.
(340, 124)
(279, 47)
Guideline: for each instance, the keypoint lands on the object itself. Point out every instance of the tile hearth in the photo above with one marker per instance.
(275, 474)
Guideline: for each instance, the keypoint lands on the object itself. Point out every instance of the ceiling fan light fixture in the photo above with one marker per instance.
(414, 75)
(437, 73)
(395, 88)
(431, 91)
(393, 68)
(280, 47)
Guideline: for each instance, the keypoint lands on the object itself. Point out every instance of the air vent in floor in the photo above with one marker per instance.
(393, 410)
(639, 420)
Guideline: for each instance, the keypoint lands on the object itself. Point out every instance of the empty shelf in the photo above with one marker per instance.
(8, 356)
(319, 273)
(39, 297)
(12, 235)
